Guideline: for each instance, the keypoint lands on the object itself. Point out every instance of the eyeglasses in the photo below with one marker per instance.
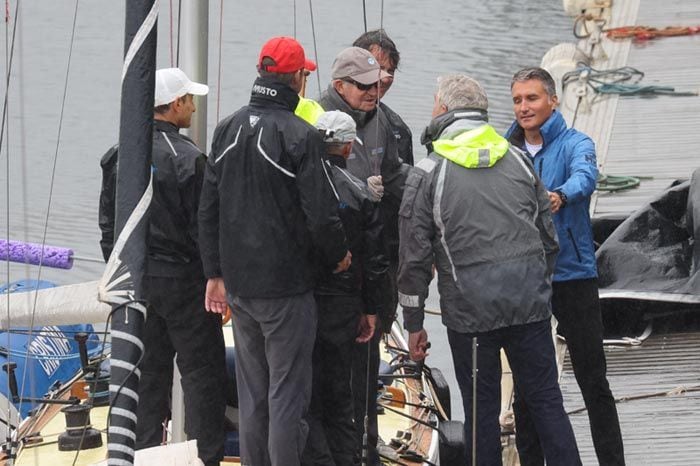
(360, 86)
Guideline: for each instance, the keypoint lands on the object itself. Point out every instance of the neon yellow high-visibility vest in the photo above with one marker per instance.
(308, 110)
(477, 148)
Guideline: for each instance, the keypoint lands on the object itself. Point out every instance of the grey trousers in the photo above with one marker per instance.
(274, 343)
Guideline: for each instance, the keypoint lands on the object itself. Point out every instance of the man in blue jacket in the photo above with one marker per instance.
(565, 160)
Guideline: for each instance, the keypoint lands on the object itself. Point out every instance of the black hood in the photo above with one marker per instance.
(270, 92)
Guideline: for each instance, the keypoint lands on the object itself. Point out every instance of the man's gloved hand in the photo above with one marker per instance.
(375, 187)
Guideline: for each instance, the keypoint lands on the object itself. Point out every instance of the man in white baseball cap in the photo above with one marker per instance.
(174, 281)
(173, 83)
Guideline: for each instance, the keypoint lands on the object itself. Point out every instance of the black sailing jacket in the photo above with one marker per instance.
(367, 275)
(267, 205)
(178, 170)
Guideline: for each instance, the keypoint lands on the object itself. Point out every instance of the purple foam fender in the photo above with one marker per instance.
(31, 253)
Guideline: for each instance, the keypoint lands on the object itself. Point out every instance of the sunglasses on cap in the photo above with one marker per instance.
(360, 86)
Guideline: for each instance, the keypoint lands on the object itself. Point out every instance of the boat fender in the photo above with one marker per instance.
(576, 7)
(452, 443)
(442, 390)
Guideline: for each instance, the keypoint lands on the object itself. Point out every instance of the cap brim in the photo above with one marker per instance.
(197, 89)
(310, 65)
(370, 77)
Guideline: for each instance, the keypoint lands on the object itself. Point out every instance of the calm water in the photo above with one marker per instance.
(488, 40)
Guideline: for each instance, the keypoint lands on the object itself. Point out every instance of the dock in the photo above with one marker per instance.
(654, 138)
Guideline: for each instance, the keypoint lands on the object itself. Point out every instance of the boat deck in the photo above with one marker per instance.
(652, 137)
(659, 419)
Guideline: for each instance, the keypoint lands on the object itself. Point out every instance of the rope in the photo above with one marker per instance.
(614, 183)
(623, 81)
(680, 390)
(644, 33)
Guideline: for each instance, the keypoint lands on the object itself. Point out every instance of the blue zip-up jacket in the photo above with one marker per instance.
(567, 163)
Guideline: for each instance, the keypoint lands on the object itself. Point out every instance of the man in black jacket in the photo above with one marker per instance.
(174, 281)
(354, 89)
(348, 304)
(267, 210)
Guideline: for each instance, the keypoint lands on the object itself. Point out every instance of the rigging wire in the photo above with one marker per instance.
(364, 13)
(172, 59)
(53, 180)
(179, 14)
(313, 33)
(9, 55)
(221, 39)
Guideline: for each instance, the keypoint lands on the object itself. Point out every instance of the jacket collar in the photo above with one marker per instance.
(165, 126)
(268, 92)
(361, 118)
(452, 121)
(551, 128)
(337, 160)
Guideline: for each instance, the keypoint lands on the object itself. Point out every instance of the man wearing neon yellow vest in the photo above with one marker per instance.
(476, 209)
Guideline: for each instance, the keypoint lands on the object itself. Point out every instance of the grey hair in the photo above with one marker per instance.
(460, 91)
(539, 74)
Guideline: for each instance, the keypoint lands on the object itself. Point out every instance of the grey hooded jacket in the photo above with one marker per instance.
(487, 227)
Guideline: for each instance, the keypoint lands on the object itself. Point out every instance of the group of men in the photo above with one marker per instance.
(309, 224)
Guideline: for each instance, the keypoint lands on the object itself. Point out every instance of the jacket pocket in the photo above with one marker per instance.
(573, 241)
(409, 193)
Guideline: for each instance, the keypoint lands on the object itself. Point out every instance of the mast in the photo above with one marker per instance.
(193, 46)
(193, 60)
(122, 283)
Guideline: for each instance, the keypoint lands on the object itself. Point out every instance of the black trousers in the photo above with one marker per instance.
(332, 431)
(576, 306)
(178, 323)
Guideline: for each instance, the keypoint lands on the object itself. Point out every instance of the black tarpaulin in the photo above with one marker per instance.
(653, 255)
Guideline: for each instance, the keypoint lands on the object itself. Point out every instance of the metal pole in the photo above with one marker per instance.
(193, 38)
(475, 371)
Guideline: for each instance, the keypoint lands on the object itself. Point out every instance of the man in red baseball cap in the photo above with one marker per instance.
(284, 55)
(261, 249)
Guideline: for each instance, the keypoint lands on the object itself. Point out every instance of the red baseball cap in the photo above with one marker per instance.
(288, 55)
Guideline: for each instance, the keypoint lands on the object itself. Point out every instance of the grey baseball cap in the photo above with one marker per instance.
(357, 64)
(337, 126)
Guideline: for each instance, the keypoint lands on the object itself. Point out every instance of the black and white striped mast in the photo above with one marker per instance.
(122, 282)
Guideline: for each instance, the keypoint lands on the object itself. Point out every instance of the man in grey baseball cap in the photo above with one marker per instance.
(358, 65)
(354, 89)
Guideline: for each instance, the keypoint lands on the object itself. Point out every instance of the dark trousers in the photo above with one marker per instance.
(274, 346)
(178, 323)
(332, 435)
(575, 304)
(530, 352)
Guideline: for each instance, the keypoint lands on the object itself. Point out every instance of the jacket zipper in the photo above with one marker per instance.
(540, 170)
(571, 237)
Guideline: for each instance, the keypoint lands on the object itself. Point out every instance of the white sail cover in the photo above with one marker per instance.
(62, 305)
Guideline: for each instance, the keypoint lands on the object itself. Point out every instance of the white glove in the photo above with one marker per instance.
(375, 188)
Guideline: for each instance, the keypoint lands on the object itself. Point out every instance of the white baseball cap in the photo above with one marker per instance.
(173, 83)
(337, 126)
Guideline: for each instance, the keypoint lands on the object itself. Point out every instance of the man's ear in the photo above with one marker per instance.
(338, 86)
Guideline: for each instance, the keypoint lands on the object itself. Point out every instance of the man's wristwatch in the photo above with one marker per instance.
(562, 196)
